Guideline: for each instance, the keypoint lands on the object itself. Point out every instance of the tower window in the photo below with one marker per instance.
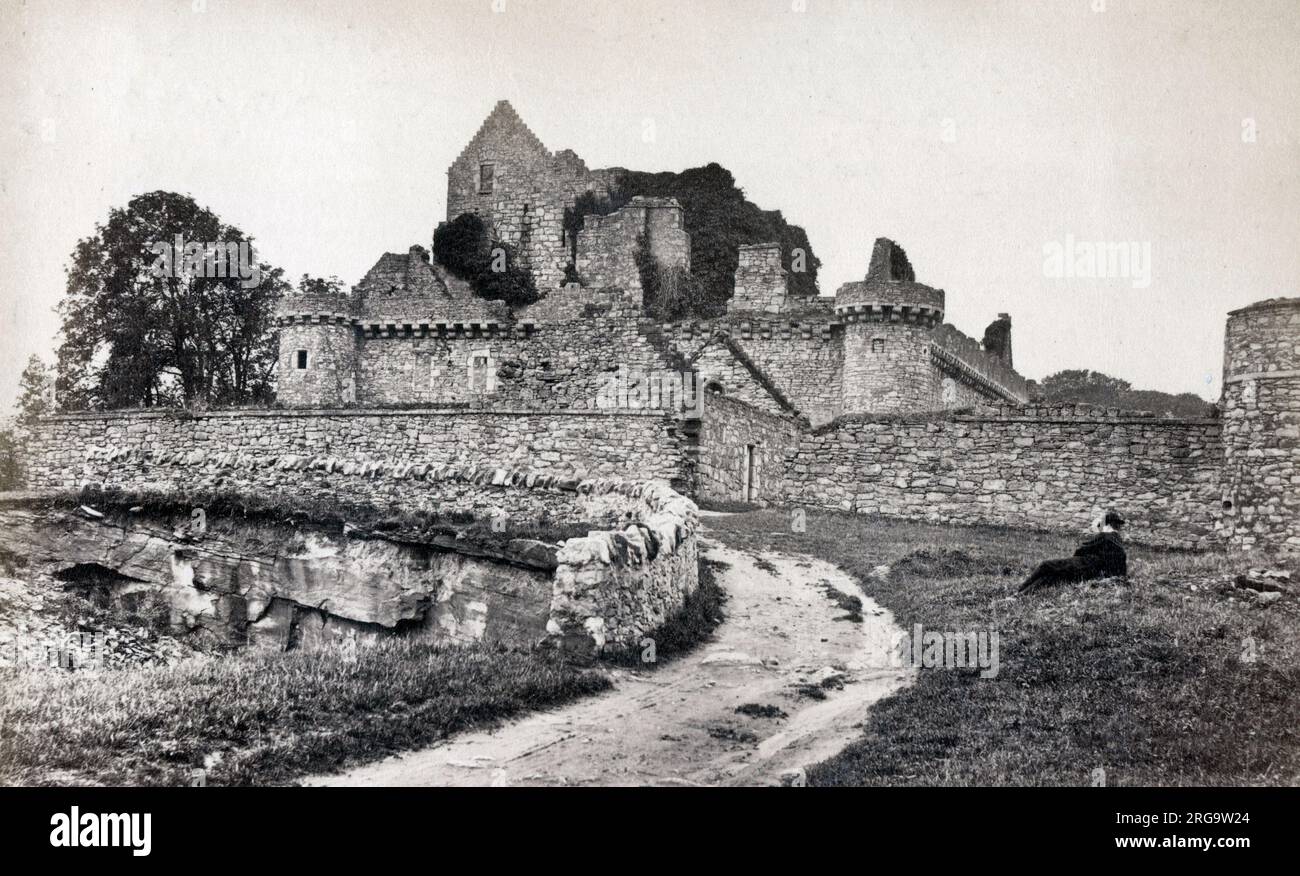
(300, 360)
(482, 377)
(486, 178)
(877, 345)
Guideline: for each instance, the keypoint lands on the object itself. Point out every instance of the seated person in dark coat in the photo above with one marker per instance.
(1101, 556)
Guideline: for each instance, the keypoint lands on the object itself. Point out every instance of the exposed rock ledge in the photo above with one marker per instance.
(269, 583)
(273, 585)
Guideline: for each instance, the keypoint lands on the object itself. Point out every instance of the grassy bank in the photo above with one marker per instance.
(1171, 680)
(258, 718)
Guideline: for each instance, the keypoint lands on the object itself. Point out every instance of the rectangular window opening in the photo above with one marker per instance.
(300, 360)
(486, 178)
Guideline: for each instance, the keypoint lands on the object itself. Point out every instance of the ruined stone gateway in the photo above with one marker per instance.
(412, 393)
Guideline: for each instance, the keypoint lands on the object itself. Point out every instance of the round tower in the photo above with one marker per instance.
(1261, 427)
(888, 319)
(318, 349)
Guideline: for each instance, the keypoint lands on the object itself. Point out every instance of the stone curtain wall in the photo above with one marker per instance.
(951, 392)
(550, 366)
(803, 358)
(366, 455)
(717, 366)
(982, 375)
(726, 428)
(761, 281)
(573, 301)
(1261, 410)
(1044, 467)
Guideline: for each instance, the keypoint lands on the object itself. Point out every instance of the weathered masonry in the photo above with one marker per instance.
(868, 402)
(604, 590)
(1232, 480)
(412, 333)
(1261, 425)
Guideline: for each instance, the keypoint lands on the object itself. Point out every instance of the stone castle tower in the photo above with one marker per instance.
(318, 350)
(508, 177)
(888, 321)
(1261, 426)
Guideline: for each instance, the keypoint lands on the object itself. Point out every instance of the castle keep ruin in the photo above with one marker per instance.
(410, 332)
(413, 392)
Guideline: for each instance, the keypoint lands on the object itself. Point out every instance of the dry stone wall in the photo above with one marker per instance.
(1043, 467)
(377, 456)
(613, 588)
(609, 588)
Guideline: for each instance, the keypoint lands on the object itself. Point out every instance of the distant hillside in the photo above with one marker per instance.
(1096, 388)
(720, 219)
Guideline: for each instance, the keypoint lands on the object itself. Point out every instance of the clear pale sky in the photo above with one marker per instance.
(973, 133)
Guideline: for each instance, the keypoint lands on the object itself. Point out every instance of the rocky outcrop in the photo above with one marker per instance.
(276, 585)
(269, 582)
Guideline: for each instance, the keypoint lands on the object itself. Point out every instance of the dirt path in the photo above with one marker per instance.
(678, 724)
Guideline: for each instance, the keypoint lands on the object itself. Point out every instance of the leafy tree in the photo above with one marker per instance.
(463, 245)
(10, 474)
(146, 325)
(331, 285)
(1082, 385)
(34, 387)
(1093, 387)
(495, 270)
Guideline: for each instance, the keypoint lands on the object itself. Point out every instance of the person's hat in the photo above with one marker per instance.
(1113, 519)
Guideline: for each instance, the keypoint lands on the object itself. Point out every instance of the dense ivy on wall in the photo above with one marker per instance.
(720, 220)
(465, 247)
(668, 293)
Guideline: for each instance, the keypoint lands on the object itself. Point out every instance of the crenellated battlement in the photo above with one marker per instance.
(889, 293)
(313, 307)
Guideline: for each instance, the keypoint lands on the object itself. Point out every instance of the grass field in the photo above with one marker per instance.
(1170, 680)
(263, 718)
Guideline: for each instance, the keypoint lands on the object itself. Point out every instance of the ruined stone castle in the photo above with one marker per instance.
(411, 390)
(410, 332)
